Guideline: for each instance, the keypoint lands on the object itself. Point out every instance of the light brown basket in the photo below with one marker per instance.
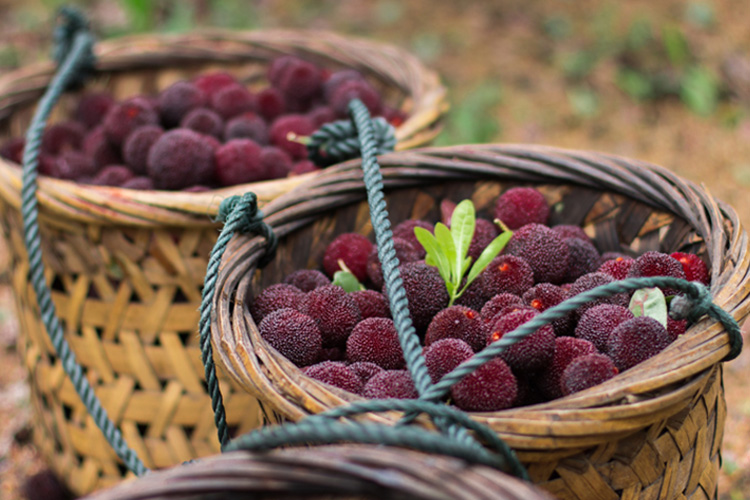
(653, 431)
(344, 471)
(126, 267)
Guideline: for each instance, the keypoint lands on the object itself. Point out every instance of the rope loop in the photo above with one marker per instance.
(695, 304)
(339, 141)
(71, 22)
(241, 213)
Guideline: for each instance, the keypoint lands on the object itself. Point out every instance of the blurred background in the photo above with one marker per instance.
(666, 82)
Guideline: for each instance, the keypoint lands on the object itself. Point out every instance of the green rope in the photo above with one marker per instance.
(694, 304)
(239, 214)
(325, 429)
(75, 55)
(338, 141)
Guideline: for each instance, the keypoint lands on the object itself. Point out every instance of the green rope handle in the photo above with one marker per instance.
(75, 56)
(239, 214)
(338, 141)
(325, 429)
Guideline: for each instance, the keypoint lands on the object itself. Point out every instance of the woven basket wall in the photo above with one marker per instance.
(351, 472)
(126, 267)
(653, 431)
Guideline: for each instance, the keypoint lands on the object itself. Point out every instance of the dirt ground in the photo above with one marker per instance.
(666, 82)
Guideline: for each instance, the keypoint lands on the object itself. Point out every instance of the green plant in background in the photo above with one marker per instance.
(472, 118)
(448, 249)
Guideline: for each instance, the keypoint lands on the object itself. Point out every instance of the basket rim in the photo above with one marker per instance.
(632, 400)
(424, 92)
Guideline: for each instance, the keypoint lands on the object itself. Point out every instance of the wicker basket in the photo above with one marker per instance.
(126, 267)
(652, 431)
(350, 471)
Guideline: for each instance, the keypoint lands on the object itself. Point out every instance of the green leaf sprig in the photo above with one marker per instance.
(447, 249)
(649, 302)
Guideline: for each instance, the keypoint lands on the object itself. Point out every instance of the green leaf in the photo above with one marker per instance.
(635, 84)
(675, 44)
(347, 281)
(445, 240)
(463, 222)
(649, 302)
(435, 255)
(490, 252)
(583, 101)
(699, 90)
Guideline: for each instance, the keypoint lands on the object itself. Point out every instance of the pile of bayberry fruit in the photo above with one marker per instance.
(207, 132)
(343, 335)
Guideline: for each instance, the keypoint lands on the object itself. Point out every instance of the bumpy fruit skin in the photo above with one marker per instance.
(351, 248)
(210, 83)
(425, 292)
(566, 231)
(372, 304)
(520, 206)
(137, 145)
(390, 384)
(331, 354)
(123, 118)
(275, 163)
(113, 175)
(336, 79)
(584, 258)
(484, 232)
(232, 100)
(300, 81)
(636, 340)
(545, 295)
(492, 387)
(142, 183)
(591, 281)
(496, 305)
(74, 165)
(247, 126)
(657, 264)
(97, 147)
(334, 311)
(296, 124)
(307, 279)
(675, 328)
(566, 350)
(586, 371)
(375, 340)
(238, 162)
(273, 298)
(533, 352)
(92, 108)
(457, 322)
(63, 136)
(364, 370)
(337, 374)
(303, 167)
(178, 100)
(544, 250)
(12, 149)
(618, 267)
(321, 115)
(598, 323)
(506, 274)
(181, 158)
(293, 334)
(204, 121)
(270, 103)
(355, 89)
(444, 355)
(405, 252)
(472, 297)
(695, 269)
(405, 230)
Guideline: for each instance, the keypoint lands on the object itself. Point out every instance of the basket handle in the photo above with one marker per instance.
(74, 55)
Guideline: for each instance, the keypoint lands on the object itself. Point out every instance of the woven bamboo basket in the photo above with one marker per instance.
(653, 431)
(126, 267)
(349, 471)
